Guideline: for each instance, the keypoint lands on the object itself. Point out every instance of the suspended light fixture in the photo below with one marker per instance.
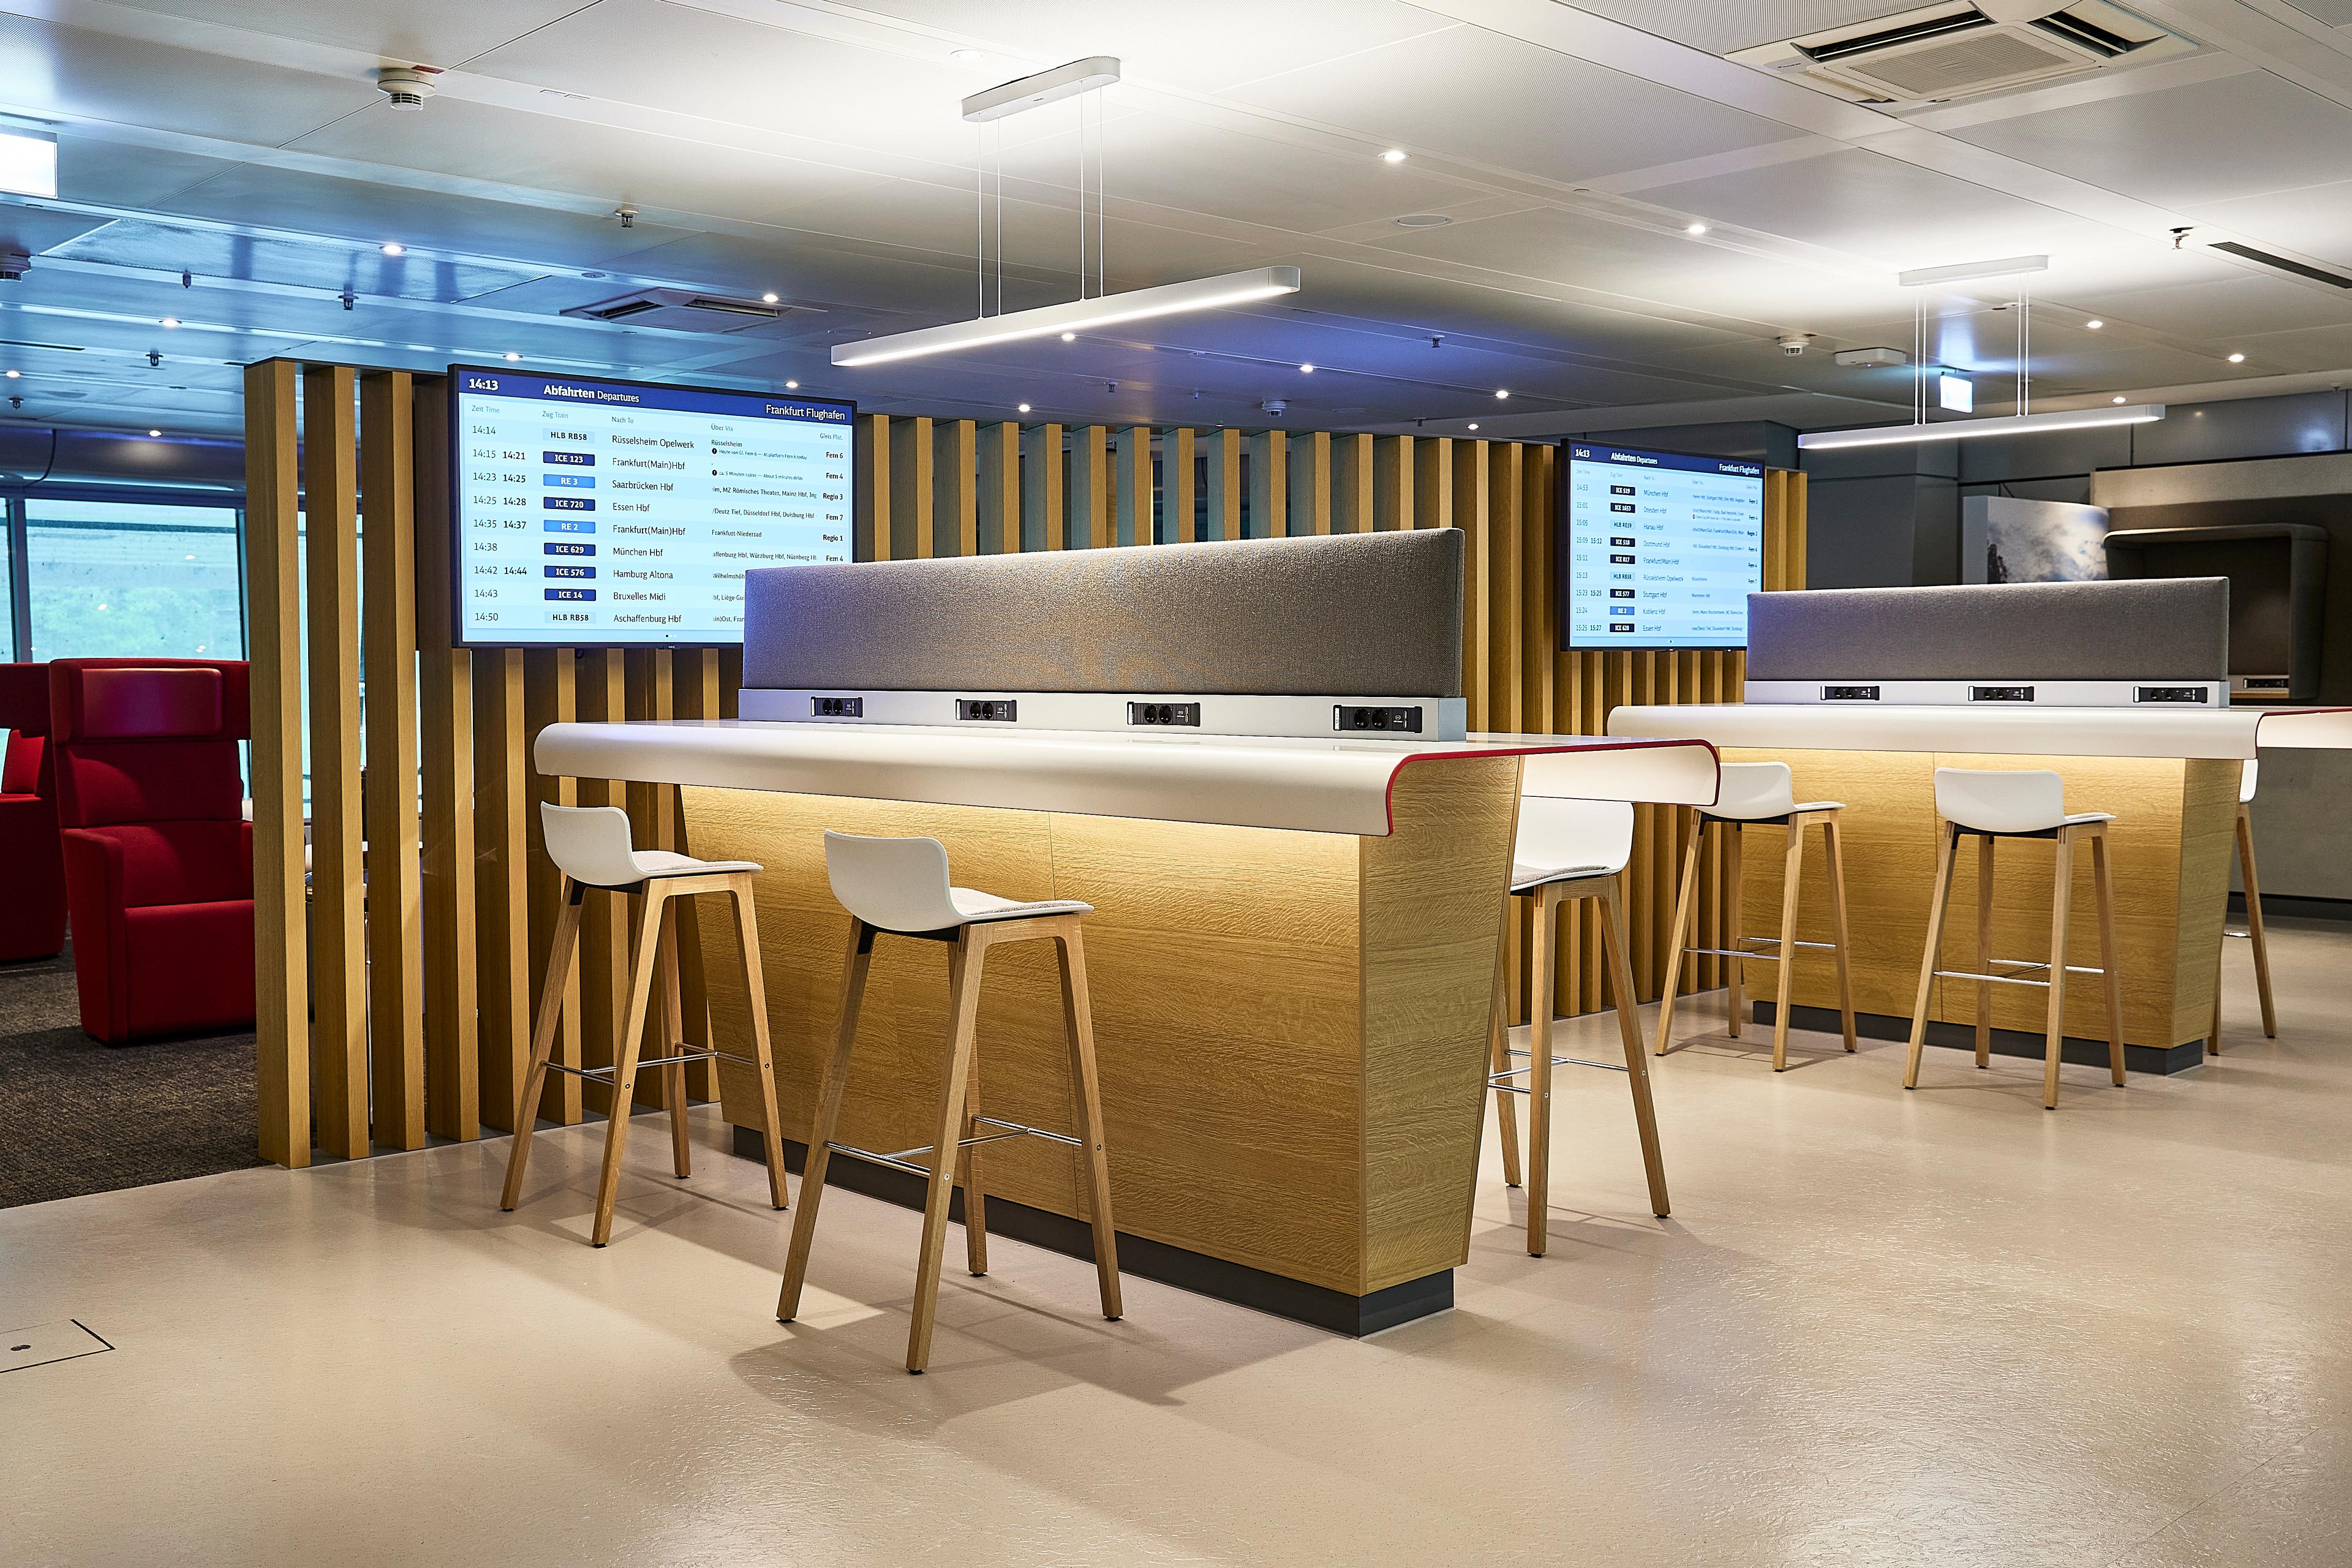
(1081, 79)
(2023, 422)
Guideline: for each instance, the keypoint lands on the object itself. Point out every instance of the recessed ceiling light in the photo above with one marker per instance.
(1696, 228)
(1473, 427)
(1069, 337)
(1307, 369)
(1393, 156)
(2237, 358)
(513, 357)
(14, 373)
(2094, 326)
(967, 55)
(170, 322)
(1502, 392)
(159, 434)
(1424, 220)
(2119, 400)
(394, 248)
(1024, 408)
(768, 298)
(792, 386)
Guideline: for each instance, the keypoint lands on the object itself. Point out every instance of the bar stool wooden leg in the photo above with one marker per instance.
(542, 1036)
(963, 1016)
(1792, 878)
(1838, 928)
(1078, 1023)
(1984, 950)
(827, 1121)
(674, 1038)
(1498, 1057)
(2103, 881)
(2253, 929)
(2062, 898)
(1946, 848)
(1735, 856)
(624, 1057)
(1637, 1072)
(755, 996)
(1683, 903)
(1540, 992)
(975, 1199)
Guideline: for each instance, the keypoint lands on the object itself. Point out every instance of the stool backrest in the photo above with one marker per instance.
(2000, 800)
(895, 884)
(2246, 782)
(1751, 790)
(591, 844)
(1557, 833)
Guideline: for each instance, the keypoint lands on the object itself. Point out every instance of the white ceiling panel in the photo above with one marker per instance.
(1719, 30)
(417, 32)
(116, 174)
(49, 69)
(1496, 100)
(2316, 220)
(2217, 310)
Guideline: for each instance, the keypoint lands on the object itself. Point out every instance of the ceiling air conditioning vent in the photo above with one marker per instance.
(681, 311)
(1959, 49)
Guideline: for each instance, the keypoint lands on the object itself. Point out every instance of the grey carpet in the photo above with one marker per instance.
(78, 1117)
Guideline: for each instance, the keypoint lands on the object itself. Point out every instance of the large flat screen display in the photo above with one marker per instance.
(595, 513)
(1658, 550)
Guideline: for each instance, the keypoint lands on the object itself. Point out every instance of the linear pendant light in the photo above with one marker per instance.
(1965, 429)
(1075, 315)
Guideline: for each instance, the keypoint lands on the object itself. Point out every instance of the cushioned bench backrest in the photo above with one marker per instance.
(2163, 629)
(146, 742)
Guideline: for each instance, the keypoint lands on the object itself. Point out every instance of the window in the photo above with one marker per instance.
(131, 579)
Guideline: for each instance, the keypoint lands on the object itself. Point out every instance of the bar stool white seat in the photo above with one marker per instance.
(1567, 849)
(1761, 795)
(2253, 920)
(899, 887)
(2027, 803)
(591, 846)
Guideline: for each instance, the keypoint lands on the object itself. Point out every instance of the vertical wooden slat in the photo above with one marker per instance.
(337, 964)
(1470, 515)
(648, 674)
(550, 696)
(273, 598)
(1044, 512)
(446, 748)
(1131, 484)
(1179, 468)
(912, 500)
(1225, 498)
(875, 462)
(1269, 484)
(605, 928)
(1351, 484)
(502, 882)
(1092, 527)
(997, 518)
(1539, 619)
(396, 907)
(1308, 461)
(955, 492)
(694, 678)
(1505, 628)
(1392, 492)
(1433, 482)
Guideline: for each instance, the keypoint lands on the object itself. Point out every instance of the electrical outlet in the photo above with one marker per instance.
(1187, 714)
(836, 708)
(2196, 694)
(989, 710)
(1849, 694)
(1386, 720)
(2000, 694)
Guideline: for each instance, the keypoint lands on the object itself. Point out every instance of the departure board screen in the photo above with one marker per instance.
(1658, 550)
(594, 513)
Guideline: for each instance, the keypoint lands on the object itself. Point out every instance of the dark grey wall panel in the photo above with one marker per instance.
(2045, 456)
(1371, 614)
(2175, 628)
(1858, 533)
(2248, 428)
(1936, 533)
(2074, 489)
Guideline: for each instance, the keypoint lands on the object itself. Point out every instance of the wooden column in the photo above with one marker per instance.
(912, 496)
(446, 745)
(1392, 492)
(395, 895)
(550, 696)
(998, 524)
(1045, 519)
(1309, 507)
(281, 988)
(1131, 482)
(1091, 524)
(1224, 497)
(1179, 465)
(502, 882)
(1269, 484)
(1433, 482)
(955, 492)
(1351, 484)
(871, 453)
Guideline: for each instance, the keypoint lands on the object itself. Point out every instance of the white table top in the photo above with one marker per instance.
(2225, 733)
(1335, 785)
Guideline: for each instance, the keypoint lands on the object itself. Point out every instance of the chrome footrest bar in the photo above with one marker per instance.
(1494, 1079)
(899, 1160)
(2030, 964)
(1021, 1129)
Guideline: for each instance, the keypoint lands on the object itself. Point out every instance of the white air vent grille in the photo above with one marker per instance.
(681, 311)
(1956, 50)
(1975, 61)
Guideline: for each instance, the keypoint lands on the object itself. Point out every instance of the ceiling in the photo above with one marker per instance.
(231, 166)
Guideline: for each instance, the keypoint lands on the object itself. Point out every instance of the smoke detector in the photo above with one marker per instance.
(1794, 342)
(1274, 407)
(14, 264)
(407, 86)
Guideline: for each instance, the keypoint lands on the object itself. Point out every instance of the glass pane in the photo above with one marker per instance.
(120, 579)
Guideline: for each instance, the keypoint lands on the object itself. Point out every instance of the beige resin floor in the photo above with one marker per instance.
(1945, 1327)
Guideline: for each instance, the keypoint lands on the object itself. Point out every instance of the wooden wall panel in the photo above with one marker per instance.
(694, 674)
(396, 895)
(501, 883)
(1269, 484)
(602, 694)
(1045, 510)
(1308, 465)
(955, 491)
(446, 748)
(1092, 526)
(1224, 497)
(1433, 482)
(998, 519)
(1469, 514)
(870, 534)
(1179, 487)
(1131, 487)
(551, 694)
(913, 500)
(1351, 484)
(281, 988)
(1393, 483)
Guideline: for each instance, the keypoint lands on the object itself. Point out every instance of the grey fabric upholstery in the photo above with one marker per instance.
(2172, 628)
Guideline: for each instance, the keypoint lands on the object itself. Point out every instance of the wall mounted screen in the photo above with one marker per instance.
(595, 513)
(1658, 550)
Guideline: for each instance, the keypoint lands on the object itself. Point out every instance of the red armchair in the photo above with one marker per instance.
(33, 903)
(158, 856)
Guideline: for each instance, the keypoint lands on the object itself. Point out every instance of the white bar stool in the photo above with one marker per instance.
(899, 886)
(1567, 849)
(2031, 804)
(591, 846)
(1761, 795)
(2253, 920)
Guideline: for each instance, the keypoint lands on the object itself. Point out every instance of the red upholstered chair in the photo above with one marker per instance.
(33, 895)
(158, 856)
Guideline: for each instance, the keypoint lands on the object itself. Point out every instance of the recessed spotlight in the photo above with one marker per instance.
(792, 386)
(513, 357)
(2237, 358)
(169, 321)
(1424, 220)
(1393, 156)
(1502, 392)
(1696, 228)
(967, 55)
(1069, 337)
(1307, 369)
(14, 373)
(1023, 408)
(2094, 326)
(394, 248)
(2119, 400)
(158, 434)
(768, 298)
(1473, 427)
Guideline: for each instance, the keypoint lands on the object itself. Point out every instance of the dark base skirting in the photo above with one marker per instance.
(2287, 905)
(2005, 1042)
(1236, 1283)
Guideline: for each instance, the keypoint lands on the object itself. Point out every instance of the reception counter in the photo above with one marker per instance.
(1292, 953)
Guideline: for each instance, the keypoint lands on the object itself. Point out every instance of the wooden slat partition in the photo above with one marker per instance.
(998, 518)
(1131, 484)
(1269, 484)
(955, 497)
(1179, 470)
(453, 1106)
(551, 694)
(1224, 497)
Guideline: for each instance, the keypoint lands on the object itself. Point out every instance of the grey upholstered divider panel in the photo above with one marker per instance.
(1346, 615)
(2172, 628)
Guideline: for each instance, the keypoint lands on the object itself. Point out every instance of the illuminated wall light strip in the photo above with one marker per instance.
(1075, 316)
(1967, 429)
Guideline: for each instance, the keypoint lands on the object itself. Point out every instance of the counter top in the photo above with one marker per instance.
(1335, 785)
(2229, 734)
